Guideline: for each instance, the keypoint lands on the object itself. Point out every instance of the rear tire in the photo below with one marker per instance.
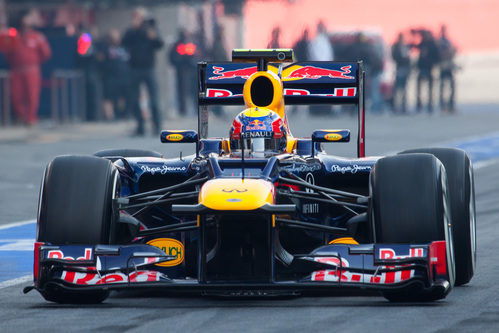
(410, 205)
(75, 207)
(462, 203)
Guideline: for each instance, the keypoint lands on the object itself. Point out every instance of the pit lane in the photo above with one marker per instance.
(473, 307)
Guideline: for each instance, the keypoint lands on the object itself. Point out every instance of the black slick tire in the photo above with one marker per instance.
(76, 201)
(410, 205)
(462, 202)
(75, 207)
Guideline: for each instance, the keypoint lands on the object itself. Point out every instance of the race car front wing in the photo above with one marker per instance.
(368, 266)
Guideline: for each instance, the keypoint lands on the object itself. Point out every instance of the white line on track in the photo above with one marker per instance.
(17, 224)
(468, 139)
(22, 279)
(26, 244)
(13, 282)
(486, 163)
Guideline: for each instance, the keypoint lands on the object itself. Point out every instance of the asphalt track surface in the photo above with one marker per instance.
(474, 307)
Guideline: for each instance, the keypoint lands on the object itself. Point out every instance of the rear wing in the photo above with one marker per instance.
(317, 82)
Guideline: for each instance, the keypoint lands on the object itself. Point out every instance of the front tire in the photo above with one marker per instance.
(75, 207)
(462, 203)
(76, 201)
(410, 205)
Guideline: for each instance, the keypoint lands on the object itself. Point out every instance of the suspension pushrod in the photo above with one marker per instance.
(167, 189)
(344, 206)
(312, 226)
(169, 194)
(156, 202)
(314, 194)
(323, 194)
(338, 203)
(320, 188)
(183, 226)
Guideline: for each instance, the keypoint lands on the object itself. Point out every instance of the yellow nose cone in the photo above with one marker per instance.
(236, 194)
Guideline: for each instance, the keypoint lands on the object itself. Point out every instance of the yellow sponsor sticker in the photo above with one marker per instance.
(171, 247)
(333, 137)
(174, 137)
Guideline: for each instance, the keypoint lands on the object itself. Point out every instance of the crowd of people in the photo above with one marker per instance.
(342, 46)
(129, 62)
(424, 55)
(117, 66)
(432, 53)
(117, 69)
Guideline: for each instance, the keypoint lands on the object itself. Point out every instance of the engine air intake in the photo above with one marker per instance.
(262, 91)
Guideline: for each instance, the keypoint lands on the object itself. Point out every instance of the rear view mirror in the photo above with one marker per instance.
(341, 135)
(182, 136)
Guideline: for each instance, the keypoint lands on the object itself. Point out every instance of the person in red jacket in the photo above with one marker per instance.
(29, 49)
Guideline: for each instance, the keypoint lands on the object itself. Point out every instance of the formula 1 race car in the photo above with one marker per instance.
(261, 212)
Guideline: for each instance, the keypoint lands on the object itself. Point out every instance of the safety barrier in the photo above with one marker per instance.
(68, 102)
(5, 111)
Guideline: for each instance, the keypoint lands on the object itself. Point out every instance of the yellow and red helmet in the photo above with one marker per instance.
(258, 130)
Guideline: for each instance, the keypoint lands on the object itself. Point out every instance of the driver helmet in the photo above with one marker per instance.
(259, 131)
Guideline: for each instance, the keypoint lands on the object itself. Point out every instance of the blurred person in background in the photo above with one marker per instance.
(183, 56)
(142, 41)
(87, 59)
(402, 59)
(218, 48)
(447, 67)
(427, 60)
(320, 49)
(301, 47)
(274, 39)
(301, 54)
(115, 75)
(218, 53)
(361, 49)
(27, 52)
(199, 39)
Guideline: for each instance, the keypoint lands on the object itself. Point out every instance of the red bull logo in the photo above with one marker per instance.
(243, 73)
(256, 125)
(312, 72)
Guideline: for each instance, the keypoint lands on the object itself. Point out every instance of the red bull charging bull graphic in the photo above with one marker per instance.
(313, 72)
(256, 125)
(243, 73)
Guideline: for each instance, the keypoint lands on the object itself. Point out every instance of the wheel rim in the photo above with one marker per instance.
(449, 241)
(114, 215)
(39, 211)
(472, 219)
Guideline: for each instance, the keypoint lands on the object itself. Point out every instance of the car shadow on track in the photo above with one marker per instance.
(155, 300)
